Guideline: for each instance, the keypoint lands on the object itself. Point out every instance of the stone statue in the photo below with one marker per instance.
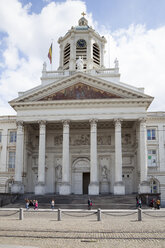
(80, 64)
(59, 171)
(116, 63)
(44, 66)
(104, 173)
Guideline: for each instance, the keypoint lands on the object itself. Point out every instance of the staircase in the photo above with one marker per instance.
(79, 201)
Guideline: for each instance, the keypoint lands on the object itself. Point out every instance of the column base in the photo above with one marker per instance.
(119, 188)
(93, 189)
(144, 187)
(40, 189)
(64, 189)
(17, 187)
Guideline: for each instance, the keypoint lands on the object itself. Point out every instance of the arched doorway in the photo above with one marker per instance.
(80, 176)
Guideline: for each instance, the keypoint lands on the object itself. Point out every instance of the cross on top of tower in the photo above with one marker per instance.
(83, 14)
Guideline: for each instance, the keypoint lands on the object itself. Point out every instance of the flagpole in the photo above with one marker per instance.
(52, 55)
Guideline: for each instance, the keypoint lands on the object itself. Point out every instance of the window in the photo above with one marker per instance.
(151, 134)
(12, 160)
(152, 157)
(13, 136)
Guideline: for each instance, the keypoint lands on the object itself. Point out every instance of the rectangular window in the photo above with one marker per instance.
(152, 158)
(13, 136)
(151, 134)
(11, 160)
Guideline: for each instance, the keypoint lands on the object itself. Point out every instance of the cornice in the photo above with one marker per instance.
(83, 103)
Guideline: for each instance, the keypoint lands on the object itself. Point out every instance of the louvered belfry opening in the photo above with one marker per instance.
(66, 56)
(96, 54)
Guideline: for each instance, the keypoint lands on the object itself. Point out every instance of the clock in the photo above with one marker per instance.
(81, 43)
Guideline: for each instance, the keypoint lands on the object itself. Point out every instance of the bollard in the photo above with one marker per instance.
(139, 214)
(99, 214)
(21, 213)
(59, 214)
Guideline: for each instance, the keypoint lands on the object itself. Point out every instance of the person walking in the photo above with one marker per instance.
(89, 204)
(52, 204)
(36, 205)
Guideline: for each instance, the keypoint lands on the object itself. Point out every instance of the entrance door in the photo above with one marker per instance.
(86, 181)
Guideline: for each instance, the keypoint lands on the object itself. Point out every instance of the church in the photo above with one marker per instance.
(81, 130)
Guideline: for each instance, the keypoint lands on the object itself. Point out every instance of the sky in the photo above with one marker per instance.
(134, 29)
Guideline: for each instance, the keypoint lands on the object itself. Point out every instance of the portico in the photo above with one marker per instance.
(68, 149)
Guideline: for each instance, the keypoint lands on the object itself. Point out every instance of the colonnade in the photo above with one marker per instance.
(65, 187)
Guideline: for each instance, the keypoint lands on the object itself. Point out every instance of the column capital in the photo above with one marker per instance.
(93, 122)
(19, 123)
(142, 120)
(117, 122)
(42, 122)
(65, 123)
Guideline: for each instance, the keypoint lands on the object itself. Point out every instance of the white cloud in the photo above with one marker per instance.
(140, 52)
(141, 56)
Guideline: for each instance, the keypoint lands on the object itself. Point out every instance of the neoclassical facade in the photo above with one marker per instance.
(82, 131)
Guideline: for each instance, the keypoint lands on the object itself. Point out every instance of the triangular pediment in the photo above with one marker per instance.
(79, 91)
(80, 87)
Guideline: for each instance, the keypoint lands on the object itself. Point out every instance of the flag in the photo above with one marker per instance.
(50, 54)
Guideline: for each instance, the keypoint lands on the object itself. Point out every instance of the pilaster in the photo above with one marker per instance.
(18, 186)
(144, 184)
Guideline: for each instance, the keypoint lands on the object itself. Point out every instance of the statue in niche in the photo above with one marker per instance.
(104, 173)
(59, 171)
(80, 63)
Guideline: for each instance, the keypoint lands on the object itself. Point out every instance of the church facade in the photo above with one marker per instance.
(82, 131)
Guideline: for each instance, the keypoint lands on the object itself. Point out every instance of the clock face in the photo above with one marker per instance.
(81, 43)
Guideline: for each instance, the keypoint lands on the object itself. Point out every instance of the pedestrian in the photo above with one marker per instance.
(27, 204)
(89, 204)
(52, 204)
(36, 205)
(140, 203)
(158, 203)
(137, 202)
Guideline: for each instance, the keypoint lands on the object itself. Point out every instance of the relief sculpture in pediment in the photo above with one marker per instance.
(79, 91)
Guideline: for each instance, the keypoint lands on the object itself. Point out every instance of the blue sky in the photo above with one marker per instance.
(118, 13)
(134, 29)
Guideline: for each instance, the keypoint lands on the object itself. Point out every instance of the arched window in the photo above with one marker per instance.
(96, 54)
(81, 50)
(66, 56)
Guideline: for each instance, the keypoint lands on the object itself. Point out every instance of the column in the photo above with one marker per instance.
(94, 184)
(65, 187)
(144, 185)
(18, 186)
(119, 187)
(40, 187)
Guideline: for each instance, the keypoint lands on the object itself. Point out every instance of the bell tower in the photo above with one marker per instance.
(81, 42)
